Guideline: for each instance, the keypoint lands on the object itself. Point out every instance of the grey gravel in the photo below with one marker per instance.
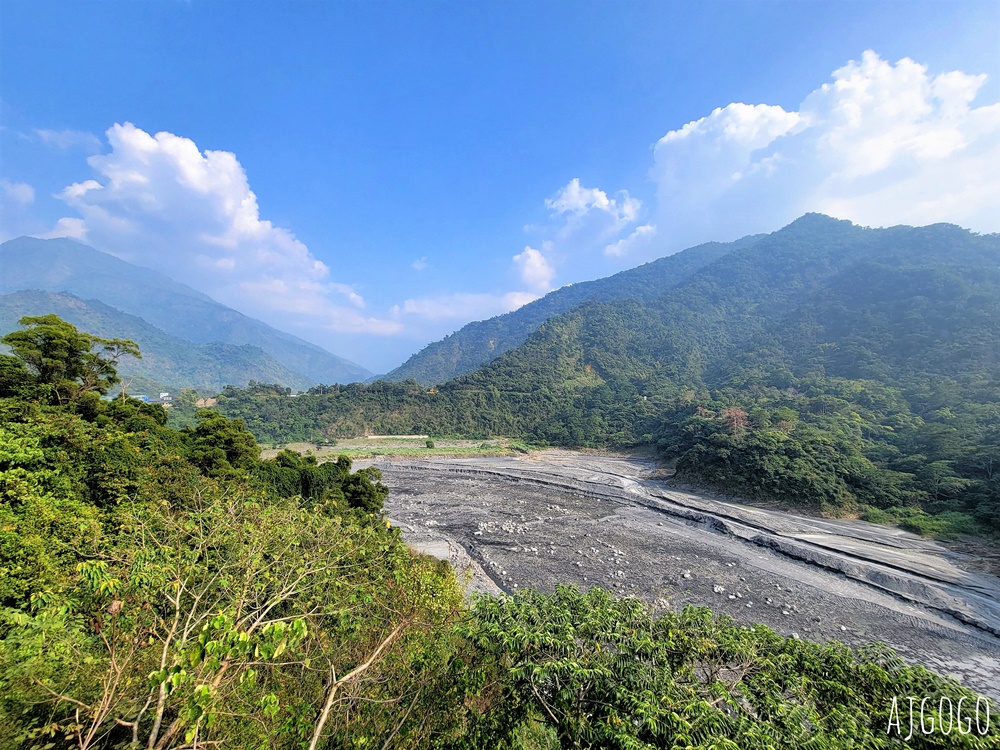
(563, 516)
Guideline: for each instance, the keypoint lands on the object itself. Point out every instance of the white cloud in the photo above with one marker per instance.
(15, 209)
(67, 139)
(75, 229)
(535, 269)
(348, 291)
(158, 200)
(881, 144)
(576, 200)
(465, 307)
(419, 264)
(19, 194)
(636, 241)
(583, 222)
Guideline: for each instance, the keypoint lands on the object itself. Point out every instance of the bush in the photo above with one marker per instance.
(876, 515)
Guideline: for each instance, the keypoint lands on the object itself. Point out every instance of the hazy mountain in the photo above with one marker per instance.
(479, 343)
(63, 265)
(168, 363)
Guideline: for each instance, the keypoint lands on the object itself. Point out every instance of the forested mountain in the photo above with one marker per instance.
(479, 343)
(168, 363)
(170, 589)
(826, 364)
(63, 265)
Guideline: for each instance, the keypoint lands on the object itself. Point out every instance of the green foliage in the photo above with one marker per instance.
(866, 364)
(479, 343)
(222, 447)
(169, 589)
(604, 673)
(61, 358)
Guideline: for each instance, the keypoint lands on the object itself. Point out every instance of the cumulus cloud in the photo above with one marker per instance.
(464, 306)
(75, 229)
(582, 220)
(419, 264)
(576, 203)
(880, 144)
(574, 198)
(638, 240)
(158, 200)
(67, 139)
(15, 215)
(17, 194)
(535, 269)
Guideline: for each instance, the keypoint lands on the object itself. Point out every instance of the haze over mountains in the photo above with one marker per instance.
(187, 338)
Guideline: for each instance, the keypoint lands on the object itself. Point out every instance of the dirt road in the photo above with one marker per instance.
(561, 516)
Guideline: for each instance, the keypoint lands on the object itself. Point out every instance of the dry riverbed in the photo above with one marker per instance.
(513, 522)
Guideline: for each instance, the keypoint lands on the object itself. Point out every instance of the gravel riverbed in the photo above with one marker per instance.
(568, 517)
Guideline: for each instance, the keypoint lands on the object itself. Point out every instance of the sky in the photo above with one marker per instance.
(371, 176)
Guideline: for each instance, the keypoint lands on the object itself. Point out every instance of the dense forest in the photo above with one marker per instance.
(833, 367)
(164, 588)
(479, 343)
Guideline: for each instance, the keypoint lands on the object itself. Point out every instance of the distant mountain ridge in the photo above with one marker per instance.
(67, 266)
(827, 365)
(797, 298)
(479, 343)
(167, 362)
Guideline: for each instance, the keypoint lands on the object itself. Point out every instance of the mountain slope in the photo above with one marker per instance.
(479, 343)
(167, 363)
(63, 265)
(827, 364)
(651, 348)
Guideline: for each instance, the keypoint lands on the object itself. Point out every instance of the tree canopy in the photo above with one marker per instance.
(64, 360)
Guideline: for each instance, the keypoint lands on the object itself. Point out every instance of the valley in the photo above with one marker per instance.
(562, 516)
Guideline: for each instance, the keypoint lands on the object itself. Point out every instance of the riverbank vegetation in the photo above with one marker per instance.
(165, 588)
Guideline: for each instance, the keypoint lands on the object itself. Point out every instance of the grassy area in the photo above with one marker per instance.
(402, 447)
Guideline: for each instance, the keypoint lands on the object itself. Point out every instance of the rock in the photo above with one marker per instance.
(686, 574)
(718, 589)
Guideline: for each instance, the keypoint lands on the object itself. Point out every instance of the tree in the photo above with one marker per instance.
(61, 357)
(223, 447)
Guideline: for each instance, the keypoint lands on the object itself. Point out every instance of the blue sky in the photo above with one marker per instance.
(373, 175)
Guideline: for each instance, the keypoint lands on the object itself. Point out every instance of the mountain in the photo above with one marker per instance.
(479, 343)
(168, 363)
(64, 265)
(848, 369)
